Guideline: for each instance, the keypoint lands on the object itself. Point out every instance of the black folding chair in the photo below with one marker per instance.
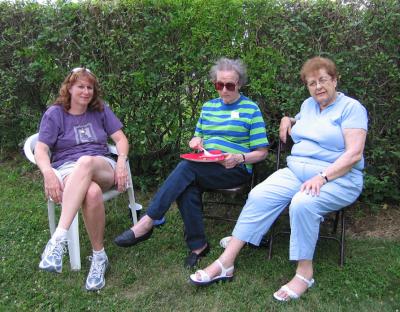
(232, 197)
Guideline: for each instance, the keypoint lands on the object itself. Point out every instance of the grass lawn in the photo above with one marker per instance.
(151, 277)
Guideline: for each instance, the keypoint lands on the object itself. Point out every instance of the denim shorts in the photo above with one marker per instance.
(66, 168)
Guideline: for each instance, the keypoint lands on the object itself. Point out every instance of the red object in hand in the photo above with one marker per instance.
(200, 157)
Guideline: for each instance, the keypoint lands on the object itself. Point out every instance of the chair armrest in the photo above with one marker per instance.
(29, 147)
(112, 149)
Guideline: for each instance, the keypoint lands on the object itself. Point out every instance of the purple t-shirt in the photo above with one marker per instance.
(72, 136)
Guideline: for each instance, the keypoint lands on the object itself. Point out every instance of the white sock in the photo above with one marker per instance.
(99, 253)
(59, 233)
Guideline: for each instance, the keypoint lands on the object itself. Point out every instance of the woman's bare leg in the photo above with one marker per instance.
(88, 169)
(94, 216)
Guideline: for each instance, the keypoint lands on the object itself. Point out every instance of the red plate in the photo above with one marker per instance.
(199, 157)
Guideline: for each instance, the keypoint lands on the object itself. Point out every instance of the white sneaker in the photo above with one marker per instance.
(95, 279)
(225, 241)
(52, 255)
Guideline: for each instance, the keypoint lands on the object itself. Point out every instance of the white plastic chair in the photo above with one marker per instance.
(73, 233)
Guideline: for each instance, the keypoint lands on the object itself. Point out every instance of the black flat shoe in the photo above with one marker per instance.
(193, 258)
(127, 238)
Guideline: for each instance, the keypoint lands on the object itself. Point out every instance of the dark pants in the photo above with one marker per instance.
(185, 184)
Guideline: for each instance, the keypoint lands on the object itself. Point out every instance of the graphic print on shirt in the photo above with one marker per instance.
(84, 133)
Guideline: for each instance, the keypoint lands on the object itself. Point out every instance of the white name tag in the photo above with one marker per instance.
(234, 115)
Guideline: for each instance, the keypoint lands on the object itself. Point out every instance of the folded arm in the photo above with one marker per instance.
(354, 141)
(354, 146)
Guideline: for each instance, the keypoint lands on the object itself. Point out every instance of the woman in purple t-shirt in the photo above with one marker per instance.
(75, 130)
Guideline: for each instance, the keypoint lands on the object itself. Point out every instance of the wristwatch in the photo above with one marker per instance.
(241, 159)
(323, 175)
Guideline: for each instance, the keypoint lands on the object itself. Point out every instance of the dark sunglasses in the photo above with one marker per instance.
(230, 86)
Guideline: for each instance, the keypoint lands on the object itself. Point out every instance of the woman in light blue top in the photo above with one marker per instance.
(323, 174)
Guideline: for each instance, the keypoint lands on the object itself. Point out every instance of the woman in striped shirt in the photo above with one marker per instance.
(231, 123)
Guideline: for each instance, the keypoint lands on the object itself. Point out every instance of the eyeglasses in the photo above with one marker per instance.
(230, 86)
(78, 69)
(322, 81)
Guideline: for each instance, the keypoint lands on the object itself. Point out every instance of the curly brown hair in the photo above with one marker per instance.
(64, 97)
(316, 63)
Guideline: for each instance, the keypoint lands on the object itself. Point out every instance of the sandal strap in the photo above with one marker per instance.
(224, 270)
(308, 282)
(204, 277)
(290, 292)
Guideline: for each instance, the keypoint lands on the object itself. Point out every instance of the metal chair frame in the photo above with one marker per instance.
(73, 232)
(240, 190)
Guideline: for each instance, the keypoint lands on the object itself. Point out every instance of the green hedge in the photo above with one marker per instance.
(153, 57)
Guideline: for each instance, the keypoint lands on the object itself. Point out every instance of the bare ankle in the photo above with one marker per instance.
(145, 223)
(199, 250)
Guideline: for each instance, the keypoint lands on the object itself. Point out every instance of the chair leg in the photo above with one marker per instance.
(73, 236)
(133, 206)
(342, 238)
(51, 207)
(73, 245)
(335, 223)
(271, 240)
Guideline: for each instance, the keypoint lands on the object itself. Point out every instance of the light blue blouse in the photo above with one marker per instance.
(319, 134)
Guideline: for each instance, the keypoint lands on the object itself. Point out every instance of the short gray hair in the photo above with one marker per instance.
(228, 64)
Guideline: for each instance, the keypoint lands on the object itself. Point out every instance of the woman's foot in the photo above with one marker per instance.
(214, 269)
(225, 241)
(138, 233)
(144, 226)
(213, 273)
(294, 289)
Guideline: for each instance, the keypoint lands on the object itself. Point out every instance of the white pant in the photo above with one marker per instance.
(269, 198)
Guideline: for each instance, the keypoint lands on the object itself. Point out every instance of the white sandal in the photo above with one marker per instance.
(225, 241)
(205, 279)
(291, 293)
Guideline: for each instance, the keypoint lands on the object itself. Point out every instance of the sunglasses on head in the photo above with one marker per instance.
(78, 69)
(230, 86)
